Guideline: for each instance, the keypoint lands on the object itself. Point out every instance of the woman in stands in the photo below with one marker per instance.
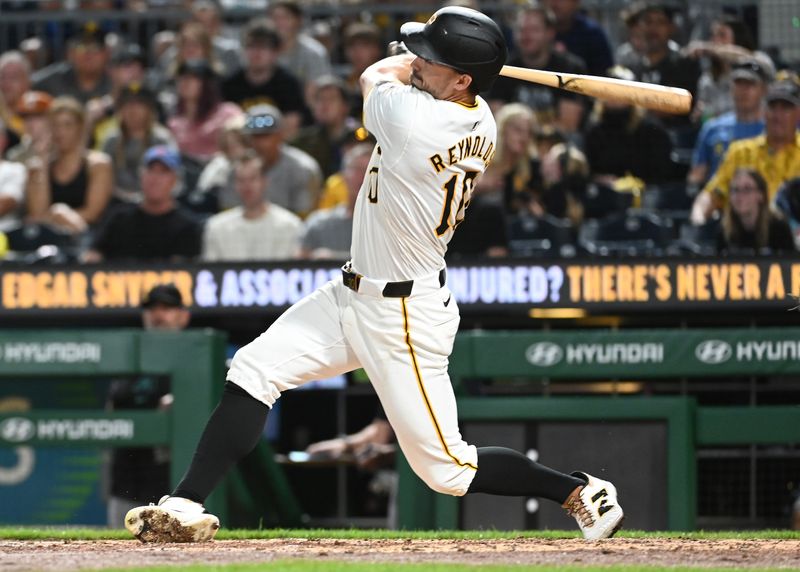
(748, 222)
(200, 115)
(71, 187)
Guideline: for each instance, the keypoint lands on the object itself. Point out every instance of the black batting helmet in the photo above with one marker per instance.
(461, 38)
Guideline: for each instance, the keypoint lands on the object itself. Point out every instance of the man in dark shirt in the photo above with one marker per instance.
(84, 75)
(263, 80)
(534, 36)
(582, 36)
(665, 66)
(156, 228)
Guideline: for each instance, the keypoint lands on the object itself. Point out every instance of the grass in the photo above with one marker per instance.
(53, 533)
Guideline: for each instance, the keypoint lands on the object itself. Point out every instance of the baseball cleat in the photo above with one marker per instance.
(595, 507)
(173, 519)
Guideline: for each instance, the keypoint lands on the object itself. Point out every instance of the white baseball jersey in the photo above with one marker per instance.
(419, 180)
(417, 188)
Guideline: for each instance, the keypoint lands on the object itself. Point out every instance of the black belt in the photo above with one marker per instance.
(392, 289)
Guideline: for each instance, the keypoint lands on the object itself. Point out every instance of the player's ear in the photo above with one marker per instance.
(463, 82)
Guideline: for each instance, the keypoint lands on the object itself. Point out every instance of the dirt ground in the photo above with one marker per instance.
(86, 555)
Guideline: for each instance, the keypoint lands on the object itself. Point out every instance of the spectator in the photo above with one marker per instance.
(294, 177)
(630, 54)
(748, 223)
(302, 55)
(192, 43)
(12, 187)
(622, 141)
(787, 202)
(128, 66)
(70, 186)
(775, 154)
(731, 43)
(33, 108)
(481, 231)
(534, 35)
(137, 130)
(217, 174)
(363, 46)
(139, 474)
(665, 66)
(332, 121)
(514, 171)
(335, 189)
(749, 80)
(200, 113)
(208, 13)
(370, 448)
(263, 80)
(328, 231)
(256, 230)
(155, 229)
(565, 176)
(15, 81)
(84, 74)
(581, 36)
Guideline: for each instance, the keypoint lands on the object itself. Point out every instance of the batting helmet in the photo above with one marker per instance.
(461, 38)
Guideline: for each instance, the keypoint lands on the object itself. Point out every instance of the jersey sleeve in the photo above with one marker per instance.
(390, 112)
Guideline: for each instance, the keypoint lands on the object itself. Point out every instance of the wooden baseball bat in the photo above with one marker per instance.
(656, 97)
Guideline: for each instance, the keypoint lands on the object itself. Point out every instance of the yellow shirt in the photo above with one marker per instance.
(774, 167)
(334, 192)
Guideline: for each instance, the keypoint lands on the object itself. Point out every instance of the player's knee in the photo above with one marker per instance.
(445, 480)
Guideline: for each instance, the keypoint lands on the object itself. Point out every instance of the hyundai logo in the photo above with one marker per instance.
(17, 430)
(713, 351)
(544, 354)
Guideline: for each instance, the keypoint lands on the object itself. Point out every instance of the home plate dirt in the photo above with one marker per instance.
(62, 556)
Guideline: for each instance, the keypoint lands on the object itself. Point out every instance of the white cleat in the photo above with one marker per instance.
(595, 507)
(173, 519)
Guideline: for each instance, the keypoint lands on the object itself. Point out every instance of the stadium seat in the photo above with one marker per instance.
(626, 234)
(700, 240)
(601, 201)
(541, 236)
(666, 197)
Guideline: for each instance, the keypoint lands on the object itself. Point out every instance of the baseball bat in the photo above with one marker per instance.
(656, 97)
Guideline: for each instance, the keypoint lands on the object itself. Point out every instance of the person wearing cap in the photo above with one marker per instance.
(15, 80)
(138, 474)
(301, 54)
(84, 74)
(331, 110)
(294, 177)
(256, 229)
(664, 66)
(136, 130)
(200, 113)
(155, 229)
(262, 79)
(749, 79)
(775, 154)
(33, 108)
(69, 187)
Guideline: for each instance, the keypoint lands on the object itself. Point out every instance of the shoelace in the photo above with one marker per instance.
(576, 508)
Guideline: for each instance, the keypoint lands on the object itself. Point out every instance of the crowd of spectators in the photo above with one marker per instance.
(204, 142)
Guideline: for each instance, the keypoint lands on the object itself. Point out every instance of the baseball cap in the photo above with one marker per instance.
(164, 295)
(784, 90)
(262, 119)
(362, 32)
(135, 91)
(128, 53)
(750, 70)
(34, 103)
(163, 154)
(90, 33)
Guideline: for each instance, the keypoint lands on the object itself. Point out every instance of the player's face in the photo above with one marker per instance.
(434, 78)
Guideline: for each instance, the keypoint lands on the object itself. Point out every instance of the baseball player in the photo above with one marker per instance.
(391, 312)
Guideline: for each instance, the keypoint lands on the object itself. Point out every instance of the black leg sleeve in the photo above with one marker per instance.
(232, 431)
(506, 472)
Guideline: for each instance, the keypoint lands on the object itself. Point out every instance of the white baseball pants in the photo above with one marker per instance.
(403, 344)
